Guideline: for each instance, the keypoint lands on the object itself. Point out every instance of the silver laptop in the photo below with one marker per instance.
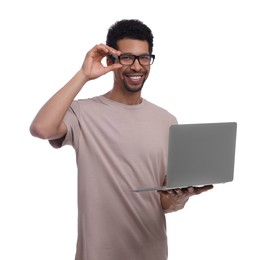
(199, 154)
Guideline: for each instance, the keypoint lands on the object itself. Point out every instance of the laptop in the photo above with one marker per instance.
(199, 154)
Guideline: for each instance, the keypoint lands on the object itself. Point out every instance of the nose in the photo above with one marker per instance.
(136, 65)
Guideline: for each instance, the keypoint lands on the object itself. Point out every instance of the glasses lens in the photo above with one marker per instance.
(126, 59)
(129, 59)
(145, 60)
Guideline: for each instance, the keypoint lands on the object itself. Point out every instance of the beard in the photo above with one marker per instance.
(133, 89)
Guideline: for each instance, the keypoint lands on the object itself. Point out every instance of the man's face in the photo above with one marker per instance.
(131, 78)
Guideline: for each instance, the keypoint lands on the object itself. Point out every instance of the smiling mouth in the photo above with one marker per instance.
(135, 78)
(134, 83)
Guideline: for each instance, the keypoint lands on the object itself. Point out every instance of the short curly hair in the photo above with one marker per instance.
(130, 29)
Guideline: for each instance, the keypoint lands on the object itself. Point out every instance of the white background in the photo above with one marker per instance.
(213, 61)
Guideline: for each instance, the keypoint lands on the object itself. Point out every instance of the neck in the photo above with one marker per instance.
(127, 99)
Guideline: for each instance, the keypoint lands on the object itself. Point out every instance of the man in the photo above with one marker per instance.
(120, 141)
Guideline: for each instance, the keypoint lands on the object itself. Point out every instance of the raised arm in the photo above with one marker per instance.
(48, 123)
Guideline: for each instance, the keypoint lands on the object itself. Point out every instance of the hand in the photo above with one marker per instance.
(93, 67)
(173, 200)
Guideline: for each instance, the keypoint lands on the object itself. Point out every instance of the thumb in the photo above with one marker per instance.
(112, 67)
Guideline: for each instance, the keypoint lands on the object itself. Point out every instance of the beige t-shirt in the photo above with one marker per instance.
(119, 148)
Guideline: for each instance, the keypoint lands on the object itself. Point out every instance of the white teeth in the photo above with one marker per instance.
(135, 77)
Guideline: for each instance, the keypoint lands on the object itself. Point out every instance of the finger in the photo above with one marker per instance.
(163, 193)
(113, 67)
(204, 188)
(176, 193)
(190, 189)
(107, 49)
(170, 192)
(179, 192)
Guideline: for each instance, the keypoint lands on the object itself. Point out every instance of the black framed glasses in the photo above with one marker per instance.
(129, 59)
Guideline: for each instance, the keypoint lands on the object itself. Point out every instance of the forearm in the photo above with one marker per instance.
(46, 124)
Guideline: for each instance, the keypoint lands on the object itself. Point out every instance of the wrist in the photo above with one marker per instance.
(82, 76)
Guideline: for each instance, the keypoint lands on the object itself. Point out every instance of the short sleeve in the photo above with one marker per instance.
(72, 122)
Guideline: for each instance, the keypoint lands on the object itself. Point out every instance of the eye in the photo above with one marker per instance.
(145, 58)
(126, 57)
